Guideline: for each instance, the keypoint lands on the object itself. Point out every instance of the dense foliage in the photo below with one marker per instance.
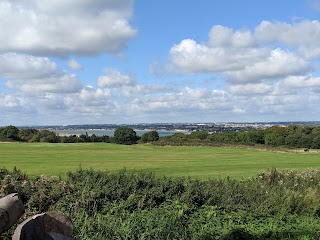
(292, 136)
(273, 205)
(151, 136)
(12, 133)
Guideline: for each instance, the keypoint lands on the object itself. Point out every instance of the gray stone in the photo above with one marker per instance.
(46, 226)
(11, 209)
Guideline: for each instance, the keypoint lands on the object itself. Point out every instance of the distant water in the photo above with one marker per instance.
(110, 133)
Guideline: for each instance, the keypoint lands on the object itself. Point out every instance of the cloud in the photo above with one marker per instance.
(191, 57)
(62, 28)
(74, 65)
(114, 79)
(298, 82)
(20, 66)
(243, 56)
(238, 110)
(94, 96)
(66, 83)
(250, 89)
(29, 74)
(303, 35)
(277, 65)
(9, 101)
(221, 36)
(186, 99)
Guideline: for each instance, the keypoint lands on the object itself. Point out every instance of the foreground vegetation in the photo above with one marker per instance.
(273, 205)
(173, 161)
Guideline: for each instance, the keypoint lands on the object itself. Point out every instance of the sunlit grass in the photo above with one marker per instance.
(197, 162)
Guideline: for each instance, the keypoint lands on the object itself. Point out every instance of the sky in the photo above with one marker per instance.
(69, 62)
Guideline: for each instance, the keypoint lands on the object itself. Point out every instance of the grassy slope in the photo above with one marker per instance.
(197, 162)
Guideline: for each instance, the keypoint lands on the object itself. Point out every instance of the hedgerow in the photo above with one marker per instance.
(123, 205)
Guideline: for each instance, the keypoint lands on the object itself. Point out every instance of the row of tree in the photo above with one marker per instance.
(122, 135)
(293, 136)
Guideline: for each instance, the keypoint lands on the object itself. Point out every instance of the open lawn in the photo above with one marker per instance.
(197, 162)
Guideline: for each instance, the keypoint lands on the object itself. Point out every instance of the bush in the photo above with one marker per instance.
(102, 205)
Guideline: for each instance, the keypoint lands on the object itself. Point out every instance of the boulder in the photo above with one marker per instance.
(46, 226)
(11, 209)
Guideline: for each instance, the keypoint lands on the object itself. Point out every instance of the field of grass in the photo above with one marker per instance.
(197, 162)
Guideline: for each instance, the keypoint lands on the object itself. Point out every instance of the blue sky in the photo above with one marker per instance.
(123, 61)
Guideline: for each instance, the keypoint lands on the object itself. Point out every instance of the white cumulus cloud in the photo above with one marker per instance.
(278, 64)
(302, 35)
(223, 36)
(29, 74)
(114, 78)
(20, 66)
(61, 28)
(191, 57)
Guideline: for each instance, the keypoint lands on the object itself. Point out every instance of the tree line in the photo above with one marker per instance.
(122, 135)
(292, 136)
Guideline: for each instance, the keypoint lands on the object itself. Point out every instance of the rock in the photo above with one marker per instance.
(46, 226)
(11, 209)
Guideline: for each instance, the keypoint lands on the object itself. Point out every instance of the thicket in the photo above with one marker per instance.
(272, 205)
(292, 136)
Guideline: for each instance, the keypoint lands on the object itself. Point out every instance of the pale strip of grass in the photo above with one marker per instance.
(197, 162)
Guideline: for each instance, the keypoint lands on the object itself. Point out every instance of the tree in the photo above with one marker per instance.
(275, 135)
(10, 132)
(316, 143)
(256, 136)
(178, 136)
(150, 136)
(27, 134)
(48, 136)
(202, 135)
(125, 135)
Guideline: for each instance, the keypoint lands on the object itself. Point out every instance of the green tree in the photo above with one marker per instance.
(199, 135)
(125, 135)
(150, 136)
(293, 140)
(293, 129)
(35, 138)
(276, 135)
(10, 132)
(256, 136)
(242, 137)
(48, 136)
(27, 134)
(316, 143)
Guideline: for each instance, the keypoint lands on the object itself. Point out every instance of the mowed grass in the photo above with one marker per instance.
(36, 159)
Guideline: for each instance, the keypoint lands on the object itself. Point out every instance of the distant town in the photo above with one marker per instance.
(179, 127)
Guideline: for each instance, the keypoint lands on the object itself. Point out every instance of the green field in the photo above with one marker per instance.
(197, 162)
